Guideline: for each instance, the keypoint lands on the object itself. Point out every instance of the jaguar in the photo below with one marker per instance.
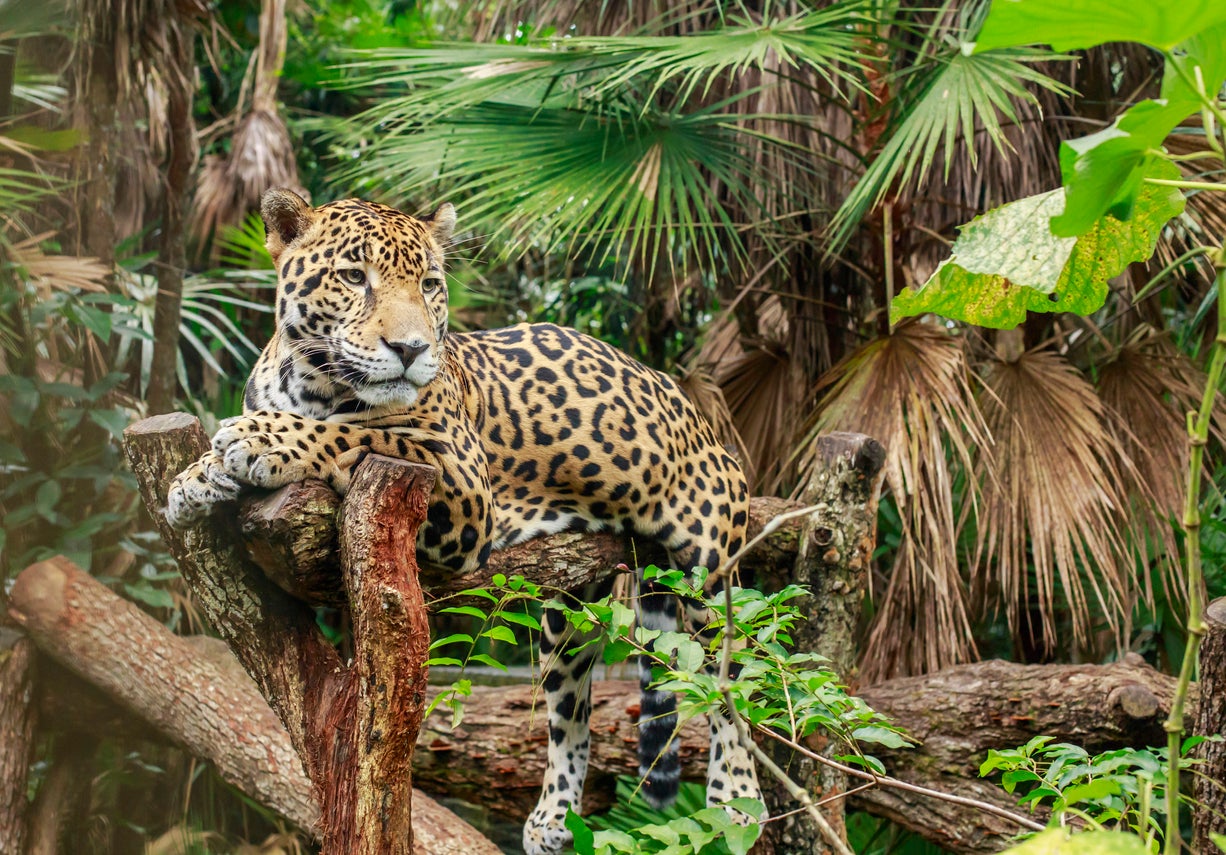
(533, 429)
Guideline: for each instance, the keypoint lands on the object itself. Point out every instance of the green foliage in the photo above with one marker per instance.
(1008, 262)
(950, 96)
(1124, 789)
(632, 826)
(1063, 841)
(1014, 259)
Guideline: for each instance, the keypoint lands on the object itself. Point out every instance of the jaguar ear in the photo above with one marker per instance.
(285, 216)
(442, 222)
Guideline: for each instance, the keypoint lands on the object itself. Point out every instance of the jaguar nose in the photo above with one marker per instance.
(408, 351)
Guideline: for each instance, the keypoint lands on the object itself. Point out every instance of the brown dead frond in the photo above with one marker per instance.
(1148, 385)
(57, 272)
(1051, 547)
(911, 392)
(700, 387)
(261, 153)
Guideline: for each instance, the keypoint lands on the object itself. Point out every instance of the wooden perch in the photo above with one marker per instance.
(329, 713)
(138, 675)
(498, 752)
(834, 554)
(291, 535)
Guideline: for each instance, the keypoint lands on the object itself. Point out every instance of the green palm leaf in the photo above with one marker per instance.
(952, 98)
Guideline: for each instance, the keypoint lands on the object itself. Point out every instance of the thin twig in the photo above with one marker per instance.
(897, 784)
(727, 567)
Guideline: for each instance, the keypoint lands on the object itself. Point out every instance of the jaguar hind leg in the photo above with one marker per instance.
(567, 681)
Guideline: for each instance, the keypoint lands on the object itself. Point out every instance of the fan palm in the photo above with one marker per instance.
(806, 160)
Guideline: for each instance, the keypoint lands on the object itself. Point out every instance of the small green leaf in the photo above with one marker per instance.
(617, 651)
(451, 639)
(1219, 840)
(1096, 789)
(584, 843)
(741, 837)
(46, 498)
(486, 659)
(471, 611)
(156, 597)
(500, 633)
(521, 619)
(881, 736)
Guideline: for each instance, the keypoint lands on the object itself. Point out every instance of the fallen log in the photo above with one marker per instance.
(497, 753)
(191, 693)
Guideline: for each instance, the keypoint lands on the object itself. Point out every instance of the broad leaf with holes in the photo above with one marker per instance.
(1007, 261)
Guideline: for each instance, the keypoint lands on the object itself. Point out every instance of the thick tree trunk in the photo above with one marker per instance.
(193, 694)
(956, 715)
(57, 816)
(833, 560)
(172, 255)
(1210, 787)
(18, 718)
(273, 635)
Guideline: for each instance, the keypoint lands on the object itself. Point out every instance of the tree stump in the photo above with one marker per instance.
(832, 560)
(353, 727)
(1210, 788)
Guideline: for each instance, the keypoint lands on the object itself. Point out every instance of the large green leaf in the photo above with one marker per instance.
(1102, 172)
(1060, 841)
(1007, 261)
(1065, 25)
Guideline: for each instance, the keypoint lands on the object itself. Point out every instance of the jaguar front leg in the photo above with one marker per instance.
(272, 449)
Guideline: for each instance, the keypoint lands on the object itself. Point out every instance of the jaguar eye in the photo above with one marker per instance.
(429, 286)
(352, 276)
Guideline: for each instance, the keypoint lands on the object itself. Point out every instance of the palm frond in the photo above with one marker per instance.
(911, 391)
(1051, 538)
(954, 97)
(572, 180)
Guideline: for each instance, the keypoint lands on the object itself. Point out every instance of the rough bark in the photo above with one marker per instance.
(498, 752)
(190, 690)
(62, 801)
(273, 635)
(367, 776)
(833, 557)
(1210, 788)
(151, 672)
(18, 719)
(290, 535)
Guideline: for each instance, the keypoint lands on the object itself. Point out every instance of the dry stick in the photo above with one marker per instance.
(897, 784)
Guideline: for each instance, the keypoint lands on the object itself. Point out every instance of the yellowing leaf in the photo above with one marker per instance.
(1007, 262)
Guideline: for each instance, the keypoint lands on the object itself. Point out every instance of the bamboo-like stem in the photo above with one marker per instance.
(1198, 436)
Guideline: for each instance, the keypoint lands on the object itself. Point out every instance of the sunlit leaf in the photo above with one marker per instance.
(1007, 262)
(1077, 25)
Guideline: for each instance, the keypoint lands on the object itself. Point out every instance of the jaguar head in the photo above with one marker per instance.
(361, 293)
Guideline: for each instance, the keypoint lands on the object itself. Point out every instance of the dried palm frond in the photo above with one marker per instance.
(261, 153)
(911, 392)
(57, 272)
(1148, 385)
(700, 387)
(1053, 502)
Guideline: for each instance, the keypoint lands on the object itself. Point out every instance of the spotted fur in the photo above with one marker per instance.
(533, 429)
